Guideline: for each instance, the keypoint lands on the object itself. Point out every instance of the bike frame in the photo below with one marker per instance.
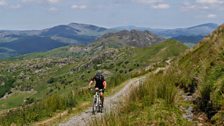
(97, 104)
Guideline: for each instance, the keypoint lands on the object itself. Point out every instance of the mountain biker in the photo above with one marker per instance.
(100, 84)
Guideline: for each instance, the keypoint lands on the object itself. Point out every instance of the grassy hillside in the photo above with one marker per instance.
(189, 92)
(47, 83)
(205, 65)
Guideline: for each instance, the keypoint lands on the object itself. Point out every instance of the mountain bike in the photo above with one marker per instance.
(97, 103)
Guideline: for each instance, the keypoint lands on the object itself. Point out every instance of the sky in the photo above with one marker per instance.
(40, 14)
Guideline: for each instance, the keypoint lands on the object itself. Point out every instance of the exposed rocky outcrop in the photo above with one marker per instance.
(130, 38)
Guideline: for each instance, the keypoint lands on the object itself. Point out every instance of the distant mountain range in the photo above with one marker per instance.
(13, 43)
(70, 34)
(187, 35)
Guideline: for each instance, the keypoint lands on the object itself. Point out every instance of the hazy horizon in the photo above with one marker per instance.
(50, 26)
(41, 14)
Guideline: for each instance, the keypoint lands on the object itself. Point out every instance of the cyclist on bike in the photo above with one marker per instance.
(100, 84)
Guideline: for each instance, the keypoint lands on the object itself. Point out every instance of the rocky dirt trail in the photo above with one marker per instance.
(110, 104)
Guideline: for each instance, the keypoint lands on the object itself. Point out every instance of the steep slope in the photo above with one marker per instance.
(189, 92)
(205, 64)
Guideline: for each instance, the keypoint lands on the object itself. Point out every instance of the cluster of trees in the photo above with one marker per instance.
(6, 87)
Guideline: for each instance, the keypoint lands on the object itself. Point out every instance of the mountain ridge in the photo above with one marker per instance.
(83, 34)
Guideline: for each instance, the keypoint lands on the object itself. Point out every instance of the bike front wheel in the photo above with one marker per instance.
(94, 106)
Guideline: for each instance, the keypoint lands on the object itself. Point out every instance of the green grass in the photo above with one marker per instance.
(205, 63)
(13, 101)
(121, 66)
(199, 71)
(150, 104)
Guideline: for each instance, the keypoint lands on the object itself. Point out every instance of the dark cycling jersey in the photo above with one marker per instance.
(99, 82)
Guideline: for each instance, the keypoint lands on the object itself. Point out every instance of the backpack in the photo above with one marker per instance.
(99, 76)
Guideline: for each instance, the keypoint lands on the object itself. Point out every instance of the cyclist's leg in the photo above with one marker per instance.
(102, 97)
(96, 89)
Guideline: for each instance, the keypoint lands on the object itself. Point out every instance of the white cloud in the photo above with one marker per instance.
(54, 1)
(80, 7)
(10, 6)
(212, 16)
(210, 1)
(192, 6)
(203, 5)
(156, 4)
(42, 1)
(28, 1)
(161, 6)
(3, 2)
(147, 1)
